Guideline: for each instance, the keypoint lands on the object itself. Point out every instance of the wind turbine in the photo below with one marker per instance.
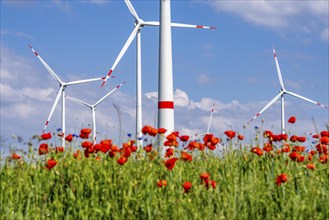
(93, 107)
(281, 94)
(139, 24)
(210, 118)
(61, 92)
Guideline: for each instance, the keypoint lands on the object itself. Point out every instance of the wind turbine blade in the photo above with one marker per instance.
(78, 101)
(46, 65)
(122, 52)
(209, 123)
(278, 69)
(191, 26)
(104, 97)
(151, 23)
(306, 99)
(53, 108)
(84, 81)
(131, 9)
(267, 106)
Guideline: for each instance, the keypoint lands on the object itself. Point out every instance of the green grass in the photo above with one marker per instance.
(91, 189)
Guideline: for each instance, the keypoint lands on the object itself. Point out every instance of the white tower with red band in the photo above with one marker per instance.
(165, 86)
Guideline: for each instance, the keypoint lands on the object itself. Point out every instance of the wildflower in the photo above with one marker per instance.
(148, 148)
(59, 149)
(300, 158)
(46, 136)
(301, 139)
(324, 140)
(114, 148)
(185, 156)
(77, 154)
(85, 131)
(162, 183)
(122, 160)
(98, 158)
(169, 152)
(230, 134)
(187, 186)
(267, 134)
(323, 158)
(51, 163)
(240, 137)
(133, 148)
(257, 151)
(324, 133)
(210, 182)
(292, 119)
(69, 138)
(43, 149)
(322, 149)
(184, 138)
(149, 130)
(15, 156)
(268, 147)
(299, 148)
(294, 155)
(87, 144)
(192, 145)
(294, 138)
(310, 166)
(162, 130)
(204, 176)
(170, 163)
(281, 179)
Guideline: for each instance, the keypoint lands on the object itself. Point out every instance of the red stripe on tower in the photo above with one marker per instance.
(166, 104)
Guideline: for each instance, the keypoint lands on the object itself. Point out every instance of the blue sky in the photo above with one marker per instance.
(232, 65)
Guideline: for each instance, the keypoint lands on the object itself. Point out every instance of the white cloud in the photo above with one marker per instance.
(307, 17)
(203, 79)
(181, 98)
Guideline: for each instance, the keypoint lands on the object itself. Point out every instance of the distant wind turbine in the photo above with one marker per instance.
(93, 107)
(139, 24)
(61, 92)
(281, 94)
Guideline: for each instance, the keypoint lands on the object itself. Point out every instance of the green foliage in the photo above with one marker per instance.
(91, 189)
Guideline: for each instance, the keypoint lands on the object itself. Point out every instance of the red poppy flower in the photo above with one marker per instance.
(126, 152)
(112, 154)
(162, 183)
(211, 147)
(210, 182)
(281, 179)
(46, 136)
(51, 163)
(114, 148)
(323, 158)
(77, 154)
(103, 147)
(184, 138)
(267, 134)
(230, 134)
(315, 136)
(149, 130)
(171, 137)
(286, 149)
(257, 151)
(170, 163)
(301, 139)
(268, 147)
(283, 137)
(69, 138)
(61, 134)
(59, 149)
(187, 186)
(204, 176)
(300, 158)
(133, 148)
(292, 119)
(324, 133)
(299, 148)
(294, 155)
(176, 133)
(312, 152)
(98, 158)
(169, 152)
(324, 140)
(85, 131)
(87, 144)
(322, 149)
(122, 160)
(240, 137)
(186, 156)
(107, 141)
(43, 148)
(15, 156)
(310, 166)
(148, 148)
(162, 130)
(294, 138)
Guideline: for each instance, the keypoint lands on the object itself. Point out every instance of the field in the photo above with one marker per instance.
(275, 178)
